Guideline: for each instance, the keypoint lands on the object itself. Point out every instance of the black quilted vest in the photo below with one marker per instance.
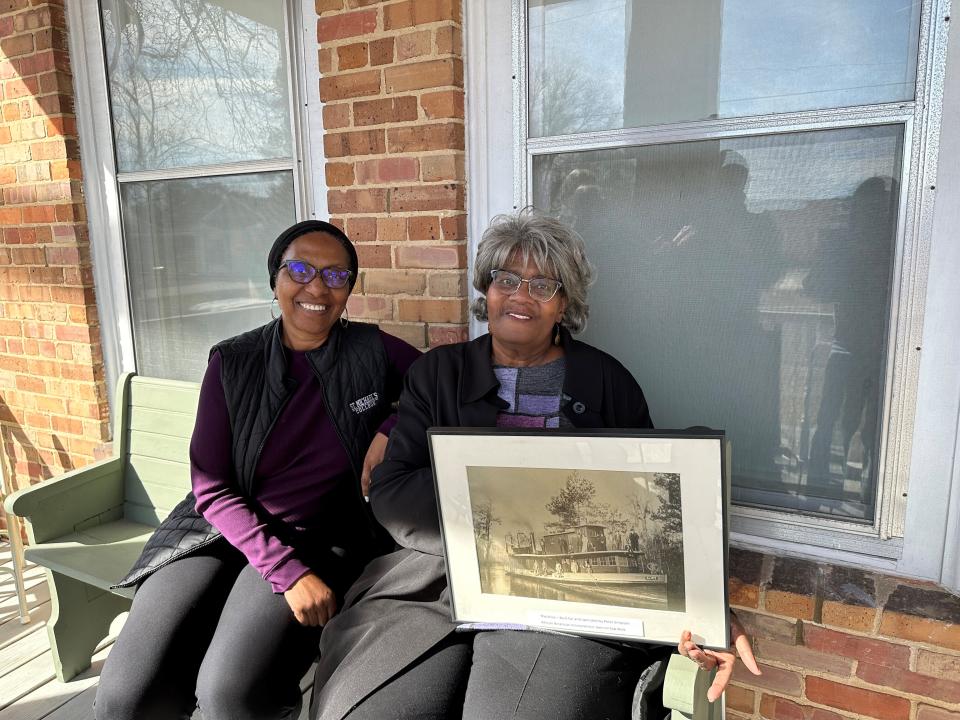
(352, 369)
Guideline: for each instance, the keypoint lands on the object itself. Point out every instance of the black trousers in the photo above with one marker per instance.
(495, 675)
(207, 629)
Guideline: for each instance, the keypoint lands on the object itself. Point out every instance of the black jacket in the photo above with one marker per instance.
(352, 365)
(399, 607)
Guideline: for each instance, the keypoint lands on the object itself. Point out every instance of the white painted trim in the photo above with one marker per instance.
(488, 71)
(100, 188)
(759, 125)
(932, 521)
(311, 114)
(205, 171)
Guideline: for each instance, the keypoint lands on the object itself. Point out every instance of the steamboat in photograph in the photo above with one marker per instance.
(605, 537)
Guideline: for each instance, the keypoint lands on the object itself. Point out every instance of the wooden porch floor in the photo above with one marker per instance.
(28, 688)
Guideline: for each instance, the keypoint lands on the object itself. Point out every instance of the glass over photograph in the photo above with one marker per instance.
(586, 536)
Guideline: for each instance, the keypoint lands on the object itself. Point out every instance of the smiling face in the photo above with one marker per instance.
(309, 311)
(518, 322)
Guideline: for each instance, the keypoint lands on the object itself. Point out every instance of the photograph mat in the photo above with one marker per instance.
(698, 461)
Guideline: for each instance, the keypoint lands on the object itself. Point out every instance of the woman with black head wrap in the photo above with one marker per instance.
(237, 583)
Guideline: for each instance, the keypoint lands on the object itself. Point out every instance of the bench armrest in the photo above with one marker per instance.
(75, 499)
(685, 691)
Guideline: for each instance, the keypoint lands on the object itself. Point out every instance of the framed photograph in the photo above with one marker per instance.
(615, 534)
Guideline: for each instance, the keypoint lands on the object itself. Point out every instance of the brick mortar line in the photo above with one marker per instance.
(804, 701)
(892, 639)
(412, 60)
(400, 125)
(429, 272)
(857, 682)
(383, 34)
(396, 124)
(906, 694)
(399, 215)
(414, 244)
(389, 186)
(381, 68)
(402, 63)
(785, 665)
(379, 34)
(384, 95)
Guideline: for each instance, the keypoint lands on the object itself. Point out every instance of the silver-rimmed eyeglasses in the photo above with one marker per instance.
(300, 271)
(541, 289)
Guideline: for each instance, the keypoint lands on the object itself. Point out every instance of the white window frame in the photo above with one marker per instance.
(915, 533)
(102, 180)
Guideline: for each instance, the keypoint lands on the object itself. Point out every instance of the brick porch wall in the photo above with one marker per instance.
(53, 408)
(392, 87)
(837, 642)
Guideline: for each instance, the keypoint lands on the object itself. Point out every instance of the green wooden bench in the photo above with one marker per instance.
(87, 527)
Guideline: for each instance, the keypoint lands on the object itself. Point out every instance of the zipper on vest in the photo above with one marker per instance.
(356, 476)
(263, 441)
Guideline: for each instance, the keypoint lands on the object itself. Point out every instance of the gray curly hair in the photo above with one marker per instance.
(556, 249)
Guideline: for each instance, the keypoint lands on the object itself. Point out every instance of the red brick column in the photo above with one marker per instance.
(53, 408)
(392, 85)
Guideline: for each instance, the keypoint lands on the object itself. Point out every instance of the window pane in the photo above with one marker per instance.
(196, 263)
(608, 64)
(746, 285)
(196, 82)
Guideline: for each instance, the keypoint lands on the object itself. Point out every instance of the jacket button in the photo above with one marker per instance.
(579, 407)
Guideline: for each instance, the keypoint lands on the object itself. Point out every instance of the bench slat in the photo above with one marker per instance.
(161, 447)
(143, 470)
(167, 395)
(162, 422)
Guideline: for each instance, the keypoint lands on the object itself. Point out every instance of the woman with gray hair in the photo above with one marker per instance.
(394, 651)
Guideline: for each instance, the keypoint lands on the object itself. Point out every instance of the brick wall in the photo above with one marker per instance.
(392, 88)
(836, 642)
(52, 395)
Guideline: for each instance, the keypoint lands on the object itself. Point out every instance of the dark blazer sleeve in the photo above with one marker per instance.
(623, 393)
(402, 494)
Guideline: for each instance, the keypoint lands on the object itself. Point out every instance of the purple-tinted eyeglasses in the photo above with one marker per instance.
(300, 271)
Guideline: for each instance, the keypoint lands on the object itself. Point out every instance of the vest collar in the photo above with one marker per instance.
(321, 359)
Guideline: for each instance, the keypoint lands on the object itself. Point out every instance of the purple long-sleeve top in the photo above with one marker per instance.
(301, 461)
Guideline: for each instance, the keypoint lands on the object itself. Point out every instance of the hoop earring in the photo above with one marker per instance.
(556, 335)
(345, 318)
(272, 313)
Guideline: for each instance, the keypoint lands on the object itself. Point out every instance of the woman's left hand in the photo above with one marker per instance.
(724, 661)
(374, 457)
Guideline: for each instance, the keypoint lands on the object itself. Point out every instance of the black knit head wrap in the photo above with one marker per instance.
(281, 244)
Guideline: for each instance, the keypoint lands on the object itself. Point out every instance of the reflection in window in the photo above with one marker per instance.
(196, 82)
(746, 284)
(196, 259)
(645, 62)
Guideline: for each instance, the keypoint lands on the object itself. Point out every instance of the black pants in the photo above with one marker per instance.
(506, 674)
(207, 629)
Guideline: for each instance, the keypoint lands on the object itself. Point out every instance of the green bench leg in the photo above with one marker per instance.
(685, 691)
(80, 618)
